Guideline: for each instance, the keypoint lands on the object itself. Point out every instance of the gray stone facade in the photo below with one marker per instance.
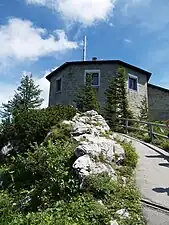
(158, 101)
(73, 78)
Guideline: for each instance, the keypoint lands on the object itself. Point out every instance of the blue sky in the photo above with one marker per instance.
(39, 35)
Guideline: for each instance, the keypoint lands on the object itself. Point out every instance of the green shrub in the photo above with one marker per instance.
(45, 175)
(86, 98)
(81, 210)
(101, 185)
(32, 126)
(165, 145)
(146, 138)
(131, 157)
(61, 132)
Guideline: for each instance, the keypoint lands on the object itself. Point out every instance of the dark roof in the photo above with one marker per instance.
(98, 62)
(157, 87)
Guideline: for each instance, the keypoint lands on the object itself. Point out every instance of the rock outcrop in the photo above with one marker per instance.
(97, 148)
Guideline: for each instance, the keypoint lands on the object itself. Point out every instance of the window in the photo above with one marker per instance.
(58, 85)
(132, 83)
(95, 74)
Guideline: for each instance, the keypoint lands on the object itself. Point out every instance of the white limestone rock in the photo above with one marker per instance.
(113, 222)
(118, 149)
(97, 147)
(89, 120)
(124, 180)
(95, 151)
(85, 166)
(68, 122)
(123, 213)
(100, 202)
(79, 128)
(6, 149)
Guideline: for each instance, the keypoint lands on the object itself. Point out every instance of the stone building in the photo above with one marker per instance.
(67, 79)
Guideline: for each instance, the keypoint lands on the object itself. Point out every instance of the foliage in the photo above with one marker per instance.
(165, 145)
(116, 99)
(60, 132)
(131, 157)
(80, 210)
(87, 97)
(101, 186)
(146, 138)
(44, 175)
(26, 97)
(40, 186)
(144, 109)
(32, 126)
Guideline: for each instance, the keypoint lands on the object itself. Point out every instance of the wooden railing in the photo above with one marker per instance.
(149, 130)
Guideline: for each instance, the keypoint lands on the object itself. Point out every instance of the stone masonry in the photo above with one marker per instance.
(73, 79)
(158, 99)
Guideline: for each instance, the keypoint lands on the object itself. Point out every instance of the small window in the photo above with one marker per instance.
(95, 77)
(58, 85)
(133, 83)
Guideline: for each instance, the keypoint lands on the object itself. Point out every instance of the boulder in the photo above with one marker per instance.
(81, 128)
(89, 122)
(98, 147)
(86, 166)
(123, 213)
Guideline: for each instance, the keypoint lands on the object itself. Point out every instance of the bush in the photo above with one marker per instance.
(131, 157)
(101, 186)
(60, 132)
(32, 126)
(40, 186)
(45, 175)
(81, 210)
(165, 145)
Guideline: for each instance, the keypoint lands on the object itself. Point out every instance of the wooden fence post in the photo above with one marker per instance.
(151, 132)
(127, 124)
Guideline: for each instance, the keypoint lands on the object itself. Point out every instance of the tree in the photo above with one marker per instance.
(116, 106)
(144, 109)
(27, 96)
(87, 97)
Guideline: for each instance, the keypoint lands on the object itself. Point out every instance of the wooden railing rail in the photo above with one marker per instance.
(149, 130)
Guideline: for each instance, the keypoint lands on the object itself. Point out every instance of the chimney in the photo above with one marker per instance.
(94, 58)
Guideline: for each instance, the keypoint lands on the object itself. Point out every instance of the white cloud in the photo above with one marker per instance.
(128, 41)
(20, 40)
(6, 92)
(83, 11)
(44, 85)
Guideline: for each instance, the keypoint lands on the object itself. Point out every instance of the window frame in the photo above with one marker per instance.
(135, 78)
(92, 71)
(59, 78)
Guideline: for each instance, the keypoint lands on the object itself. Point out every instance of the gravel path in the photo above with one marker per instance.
(152, 177)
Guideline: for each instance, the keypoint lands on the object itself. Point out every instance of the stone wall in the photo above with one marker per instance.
(158, 99)
(73, 79)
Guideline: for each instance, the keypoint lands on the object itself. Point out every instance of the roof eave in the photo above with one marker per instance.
(48, 77)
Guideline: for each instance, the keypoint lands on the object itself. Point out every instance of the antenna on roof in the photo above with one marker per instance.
(84, 48)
